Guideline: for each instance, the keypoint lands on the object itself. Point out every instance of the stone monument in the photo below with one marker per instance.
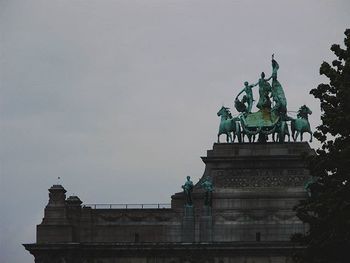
(241, 210)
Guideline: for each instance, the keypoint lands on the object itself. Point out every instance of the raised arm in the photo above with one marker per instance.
(269, 78)
(240, 93)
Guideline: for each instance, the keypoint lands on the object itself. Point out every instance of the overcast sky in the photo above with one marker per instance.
(119, 98)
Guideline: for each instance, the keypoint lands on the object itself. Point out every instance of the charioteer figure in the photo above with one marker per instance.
(247, 98)
(264, 92)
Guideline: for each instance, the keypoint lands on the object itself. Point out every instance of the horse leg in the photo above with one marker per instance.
(218, 138)
(228, 137)
(238, 132)
(310, 136)
(301, 136)
(239, 137)
(296, 136)
(233, 136)
(292, 123)
(287, 133)
(282, 136)
(283, 131)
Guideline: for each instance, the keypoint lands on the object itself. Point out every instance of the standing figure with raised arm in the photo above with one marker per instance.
(247, 98)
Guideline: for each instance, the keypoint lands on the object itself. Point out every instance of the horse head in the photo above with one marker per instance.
(224, 112)
(303, 112)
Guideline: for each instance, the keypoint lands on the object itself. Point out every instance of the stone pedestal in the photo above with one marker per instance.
(206, 225)
(256, 187)
(188, 225)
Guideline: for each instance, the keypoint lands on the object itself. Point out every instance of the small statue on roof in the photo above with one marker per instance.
(207, 185)
(188, 188)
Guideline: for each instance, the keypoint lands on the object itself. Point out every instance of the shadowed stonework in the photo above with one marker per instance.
(250, 217)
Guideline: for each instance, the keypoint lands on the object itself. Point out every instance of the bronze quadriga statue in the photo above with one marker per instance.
(271, 117)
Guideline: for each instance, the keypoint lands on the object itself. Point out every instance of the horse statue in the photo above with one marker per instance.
(229, 125)
(281, 131)
(301, 124)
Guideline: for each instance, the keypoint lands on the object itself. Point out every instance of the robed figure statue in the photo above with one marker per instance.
(277, 92)
(208, 188)
(188, 188)
(264, 92)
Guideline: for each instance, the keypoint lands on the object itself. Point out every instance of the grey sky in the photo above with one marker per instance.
(119, 98)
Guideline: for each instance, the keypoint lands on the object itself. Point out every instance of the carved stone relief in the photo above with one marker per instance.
(259, 178)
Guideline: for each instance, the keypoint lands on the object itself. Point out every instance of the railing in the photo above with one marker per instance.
(128, 206)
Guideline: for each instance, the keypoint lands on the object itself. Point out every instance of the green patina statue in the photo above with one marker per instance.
(247, 98)
(301, 124)
(277, 91)
(188, 188)
(271, 117)
(264, 91)
(228, 125)
(310, 184)
(207, 185)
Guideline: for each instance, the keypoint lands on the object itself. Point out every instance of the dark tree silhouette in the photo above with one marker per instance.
(327, 210)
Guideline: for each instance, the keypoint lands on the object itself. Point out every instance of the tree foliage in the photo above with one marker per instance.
(327, 210)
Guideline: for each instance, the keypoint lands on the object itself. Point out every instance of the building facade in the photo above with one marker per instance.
(250, 217)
